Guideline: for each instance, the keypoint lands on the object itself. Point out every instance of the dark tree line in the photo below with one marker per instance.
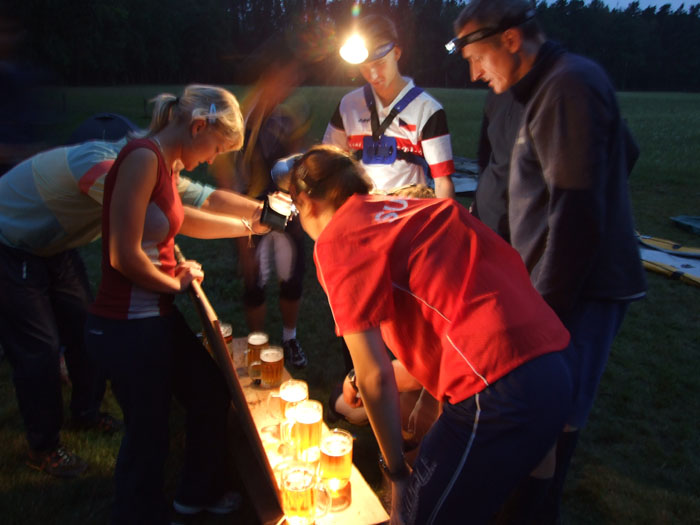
(225, 41)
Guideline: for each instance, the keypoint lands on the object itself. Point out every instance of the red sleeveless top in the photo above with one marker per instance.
(118, 297)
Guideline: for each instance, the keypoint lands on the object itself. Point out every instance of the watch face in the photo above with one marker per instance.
(352, 378)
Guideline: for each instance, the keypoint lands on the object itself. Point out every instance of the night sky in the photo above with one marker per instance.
(643, 4)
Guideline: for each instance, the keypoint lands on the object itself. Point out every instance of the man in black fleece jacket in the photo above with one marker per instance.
(568, 207)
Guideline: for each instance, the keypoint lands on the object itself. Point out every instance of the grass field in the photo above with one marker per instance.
(639, 457)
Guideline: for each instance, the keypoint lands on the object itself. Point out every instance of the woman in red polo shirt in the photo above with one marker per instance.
(453, 302)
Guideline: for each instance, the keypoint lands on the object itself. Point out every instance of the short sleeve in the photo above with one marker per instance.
(357, 281)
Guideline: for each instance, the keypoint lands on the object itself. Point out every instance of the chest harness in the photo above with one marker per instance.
(379, 149)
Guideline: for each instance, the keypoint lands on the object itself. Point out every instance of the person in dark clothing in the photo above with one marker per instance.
(569, 212)
(502, 114)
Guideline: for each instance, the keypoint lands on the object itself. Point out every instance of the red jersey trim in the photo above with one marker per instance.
(442, 169)
(355, 142)
(98, 170)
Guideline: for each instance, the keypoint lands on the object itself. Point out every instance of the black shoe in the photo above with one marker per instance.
(293, 354)
(103, 423)
(57, 462)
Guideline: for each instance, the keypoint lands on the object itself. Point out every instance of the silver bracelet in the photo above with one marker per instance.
(246, 223)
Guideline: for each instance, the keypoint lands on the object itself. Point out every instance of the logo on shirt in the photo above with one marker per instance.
(406, 125)
(388, 213)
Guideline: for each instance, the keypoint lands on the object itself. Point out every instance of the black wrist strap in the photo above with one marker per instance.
(272, 219)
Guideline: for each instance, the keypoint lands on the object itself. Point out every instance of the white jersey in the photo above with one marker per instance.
(420, 129)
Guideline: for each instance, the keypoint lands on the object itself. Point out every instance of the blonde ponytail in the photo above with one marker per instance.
(214, 104)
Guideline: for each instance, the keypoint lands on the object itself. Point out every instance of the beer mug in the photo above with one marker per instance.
(291, 392)
(304, 499)
(256, 342)
(336, 458)
(302, 429)
(226, 332)
(269, 366)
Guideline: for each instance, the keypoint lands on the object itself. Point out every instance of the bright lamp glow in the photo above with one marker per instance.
(354, 50)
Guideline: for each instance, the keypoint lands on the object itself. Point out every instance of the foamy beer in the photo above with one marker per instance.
(292, 392)
(336, 458)
(306, 422)
(302, 499)
(271, 366)
(256, 342)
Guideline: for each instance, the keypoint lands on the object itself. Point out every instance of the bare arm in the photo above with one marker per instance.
(127, 215)
(375, 380)
(232, 203)
(444, 187)
(204, 225)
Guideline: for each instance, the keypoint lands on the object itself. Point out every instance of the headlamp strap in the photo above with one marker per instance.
(377, 129)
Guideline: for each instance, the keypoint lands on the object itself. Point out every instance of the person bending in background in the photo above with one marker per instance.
(454, 303)
(569, 211)
(134, 329)
(50, 205)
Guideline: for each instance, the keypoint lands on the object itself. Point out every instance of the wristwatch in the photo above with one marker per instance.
(352, 379)
(399, 475)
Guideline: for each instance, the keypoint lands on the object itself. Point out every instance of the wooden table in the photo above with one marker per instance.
(365, 508)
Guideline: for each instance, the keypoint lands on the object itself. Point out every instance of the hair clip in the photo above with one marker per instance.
(212, 114)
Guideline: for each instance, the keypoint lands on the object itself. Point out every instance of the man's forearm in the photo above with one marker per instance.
(444, 187)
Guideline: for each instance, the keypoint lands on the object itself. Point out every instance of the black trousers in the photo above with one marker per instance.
(43, 306)
(148, 361)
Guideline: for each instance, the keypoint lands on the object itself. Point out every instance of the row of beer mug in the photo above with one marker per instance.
(264, 362)
(313, 469)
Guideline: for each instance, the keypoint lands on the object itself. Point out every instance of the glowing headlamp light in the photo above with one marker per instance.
(355, 51)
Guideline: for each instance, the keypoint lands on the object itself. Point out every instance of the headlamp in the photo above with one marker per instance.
(458, 43)
(355, 51)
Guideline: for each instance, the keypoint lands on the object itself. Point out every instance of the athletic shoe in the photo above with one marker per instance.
(293, 354)
(103, 423)
(57, 462)
(226, 504)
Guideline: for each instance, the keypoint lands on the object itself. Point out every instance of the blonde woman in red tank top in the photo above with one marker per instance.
(135, 330)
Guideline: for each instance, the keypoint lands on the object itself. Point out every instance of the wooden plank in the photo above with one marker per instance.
(248, 452)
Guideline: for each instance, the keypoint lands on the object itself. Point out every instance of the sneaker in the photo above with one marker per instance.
(293, 354)
(57, 462)
(103, 423)
(226, 504)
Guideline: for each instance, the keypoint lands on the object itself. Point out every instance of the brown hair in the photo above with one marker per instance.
(490, 13)
(378, 30)
(328, 173)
